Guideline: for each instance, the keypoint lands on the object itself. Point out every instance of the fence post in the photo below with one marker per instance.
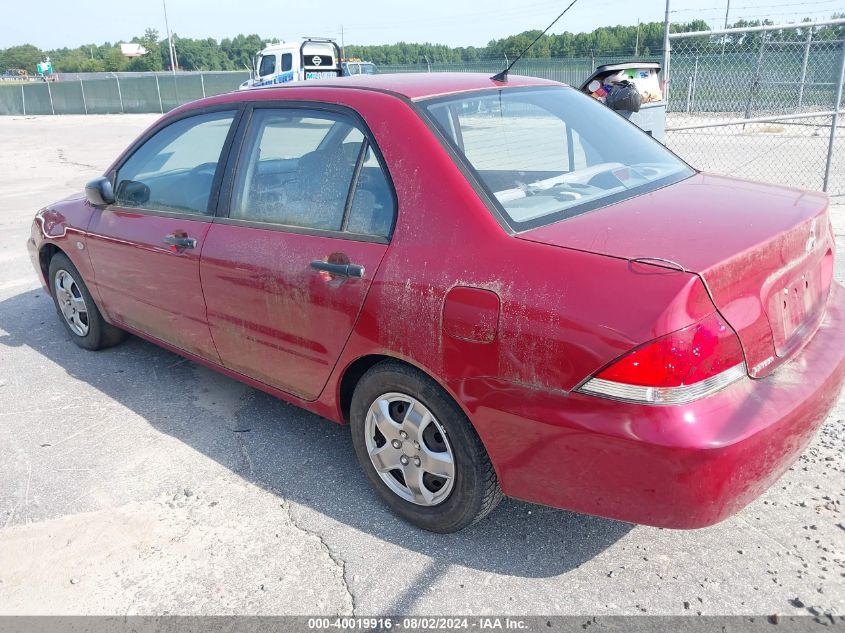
(50, 94)
(202, 82)
(82, 88)
(666, 60)
(835, 120)
(804, 66)
(119, 94)
(694, 81)
(23, 100)
(689, 92)
(158, 89)
(756, 80)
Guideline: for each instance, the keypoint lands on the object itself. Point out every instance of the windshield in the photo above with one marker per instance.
(547, 154)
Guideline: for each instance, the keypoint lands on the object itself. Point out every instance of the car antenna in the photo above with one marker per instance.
(503, 76)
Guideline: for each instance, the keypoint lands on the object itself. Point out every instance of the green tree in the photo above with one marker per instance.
(152, 59)
(25, 56)
(240, 49)
(114, 61)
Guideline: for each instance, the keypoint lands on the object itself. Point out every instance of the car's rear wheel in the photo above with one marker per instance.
(420, 451)
(76, 308)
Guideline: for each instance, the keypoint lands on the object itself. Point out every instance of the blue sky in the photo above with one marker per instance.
(455, 22)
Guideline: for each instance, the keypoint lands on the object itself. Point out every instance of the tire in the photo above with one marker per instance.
(76, 308)
(395, 398)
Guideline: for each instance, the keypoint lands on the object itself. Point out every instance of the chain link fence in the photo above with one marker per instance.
(569, 70)
(761, 103)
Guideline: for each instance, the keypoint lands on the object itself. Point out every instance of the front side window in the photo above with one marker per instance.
(174, 169)
(311, 169)
(547, 154)
(267, 66)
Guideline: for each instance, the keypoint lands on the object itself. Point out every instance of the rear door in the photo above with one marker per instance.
(145, 248)
(286, 272)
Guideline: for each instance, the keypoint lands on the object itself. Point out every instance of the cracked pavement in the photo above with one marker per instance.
(135, 482)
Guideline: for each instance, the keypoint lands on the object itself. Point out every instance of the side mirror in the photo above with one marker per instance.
(99, 192)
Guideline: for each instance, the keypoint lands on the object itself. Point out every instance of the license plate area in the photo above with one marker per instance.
(796, 307)
(320, 74)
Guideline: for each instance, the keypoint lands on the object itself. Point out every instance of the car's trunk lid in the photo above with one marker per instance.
(764, 252)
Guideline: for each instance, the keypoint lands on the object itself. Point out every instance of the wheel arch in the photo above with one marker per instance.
(46, 253)
(352, 375)
(355, 370)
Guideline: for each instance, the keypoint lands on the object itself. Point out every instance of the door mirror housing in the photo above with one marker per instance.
(99, 192)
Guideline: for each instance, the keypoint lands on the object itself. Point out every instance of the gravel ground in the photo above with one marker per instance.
(134, 482)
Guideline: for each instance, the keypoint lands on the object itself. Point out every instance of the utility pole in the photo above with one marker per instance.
(342, 47)
(169, 40)
(666, 54)
(637, 45)
(725, 37)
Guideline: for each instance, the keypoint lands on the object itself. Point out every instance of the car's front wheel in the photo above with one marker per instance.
(76, 308)
(420, 451)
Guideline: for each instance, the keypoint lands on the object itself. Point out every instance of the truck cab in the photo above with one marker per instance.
(284, 62)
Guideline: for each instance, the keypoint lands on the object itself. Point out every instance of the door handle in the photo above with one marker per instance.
(339, 270)
(180, 241)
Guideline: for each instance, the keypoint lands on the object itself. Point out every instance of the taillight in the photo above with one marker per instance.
(676, 368)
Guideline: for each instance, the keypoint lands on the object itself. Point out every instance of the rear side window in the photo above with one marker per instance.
(372, 209)
(311, 169)
(174, 169)
(287, 62)
(268, 65)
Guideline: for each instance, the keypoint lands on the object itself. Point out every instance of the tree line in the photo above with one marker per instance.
(236, 53)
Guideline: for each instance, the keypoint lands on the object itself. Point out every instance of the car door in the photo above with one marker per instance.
(145, 247)
(286, 272)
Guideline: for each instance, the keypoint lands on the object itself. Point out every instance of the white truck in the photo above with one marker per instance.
(312, 58)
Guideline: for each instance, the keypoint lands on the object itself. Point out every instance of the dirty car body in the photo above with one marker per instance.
(626, 336)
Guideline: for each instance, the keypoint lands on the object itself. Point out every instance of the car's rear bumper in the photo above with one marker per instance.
(683, 466)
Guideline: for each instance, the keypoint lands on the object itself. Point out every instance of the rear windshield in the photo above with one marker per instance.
(547, 154)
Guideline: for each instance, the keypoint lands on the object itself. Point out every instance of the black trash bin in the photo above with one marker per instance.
(651, 116)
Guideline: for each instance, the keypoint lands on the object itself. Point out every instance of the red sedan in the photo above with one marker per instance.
(503, 287)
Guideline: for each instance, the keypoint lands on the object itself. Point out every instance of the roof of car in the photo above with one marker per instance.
(424, 85)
